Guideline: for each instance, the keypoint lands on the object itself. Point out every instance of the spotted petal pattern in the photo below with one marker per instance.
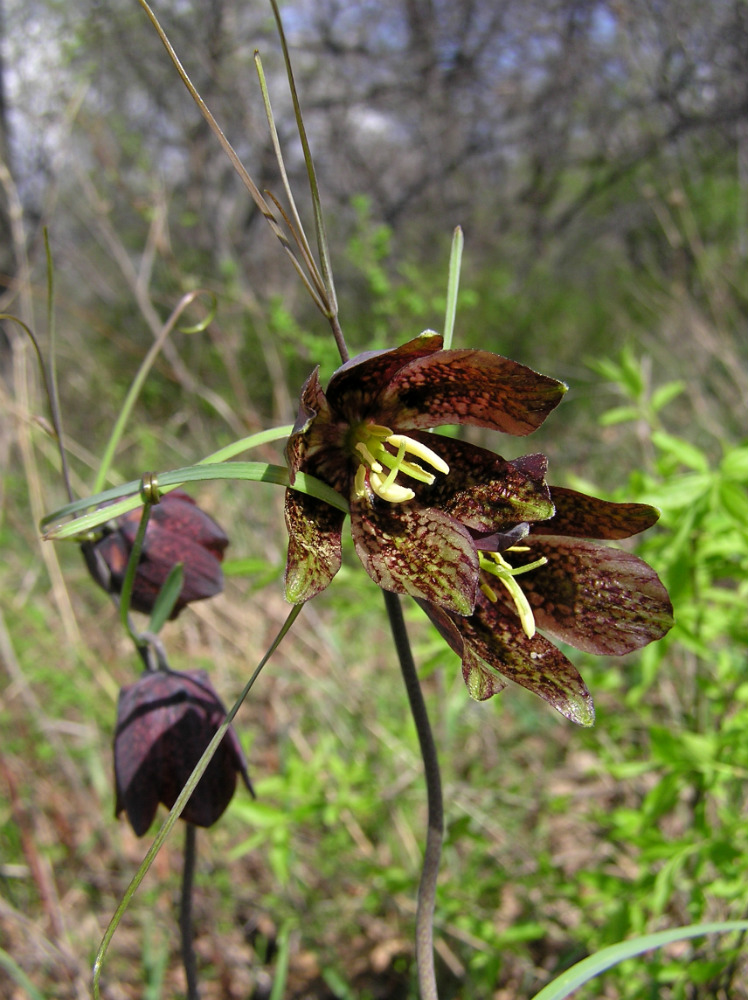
(583, 516)
(493, 646)
(483, 491)
(314, 545)
(355, 389)
(418, 551)
(598, 599)
(420, 385)
(466, 508)
(471, 387)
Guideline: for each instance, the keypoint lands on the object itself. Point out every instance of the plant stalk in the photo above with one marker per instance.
(185, 911)
(435, 829)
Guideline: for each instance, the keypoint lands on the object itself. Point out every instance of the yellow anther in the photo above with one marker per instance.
(419, 450)
(377, 431)
(390, 491)
(372, 444)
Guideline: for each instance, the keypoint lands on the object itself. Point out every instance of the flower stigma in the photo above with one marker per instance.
(382, 465)
(495, 564)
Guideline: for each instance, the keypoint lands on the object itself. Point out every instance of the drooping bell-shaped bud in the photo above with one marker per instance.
(178, 531)
(165, 720)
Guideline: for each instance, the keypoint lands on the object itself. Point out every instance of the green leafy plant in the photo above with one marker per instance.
(490, 550)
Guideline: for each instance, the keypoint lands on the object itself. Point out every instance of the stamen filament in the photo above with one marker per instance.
(368, 457)
(408, 468)
(393, 463)
(526, 617)
(359, 483)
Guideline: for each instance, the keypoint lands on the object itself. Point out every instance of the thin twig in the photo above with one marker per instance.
(185, 911)
(319, 222)
(435, 832)
(232, 155)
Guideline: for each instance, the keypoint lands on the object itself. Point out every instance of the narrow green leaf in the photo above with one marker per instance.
(229, 451)
(245, 444)
(283, 954)
(167, 598)
(258, 472)
(591, 967)
(132, 568)
(15, 972)
(453, 285)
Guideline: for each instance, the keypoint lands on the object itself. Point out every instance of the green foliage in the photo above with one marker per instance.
(682, 776)
(385, 300)
(670, 756)
(559, 842)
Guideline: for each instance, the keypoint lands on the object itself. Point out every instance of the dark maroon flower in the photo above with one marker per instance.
(416, 499)
(552, 575)
(165, 720)
(178, 531)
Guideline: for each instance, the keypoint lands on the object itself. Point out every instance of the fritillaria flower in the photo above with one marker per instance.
(165, 720)
(490, 551)
(553, 575)
(417, 500)
(178, 531)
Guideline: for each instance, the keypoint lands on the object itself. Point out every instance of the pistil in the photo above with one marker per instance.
(495, 564)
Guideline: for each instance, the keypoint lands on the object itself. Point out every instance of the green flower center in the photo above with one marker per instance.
(382, 457)
(496, 565)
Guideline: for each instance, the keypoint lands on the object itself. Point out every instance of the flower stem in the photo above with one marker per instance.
(337, 332)
(185, 911)
(435, 831)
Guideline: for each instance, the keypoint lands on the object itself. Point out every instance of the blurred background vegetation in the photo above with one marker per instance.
(596, 155)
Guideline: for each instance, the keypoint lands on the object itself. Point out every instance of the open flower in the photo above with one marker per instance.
(553, 576)
(178, 531)
(165, 720)
(417, 500)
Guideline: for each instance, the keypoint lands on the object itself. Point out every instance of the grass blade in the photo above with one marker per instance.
(592, 966)
(453, 284)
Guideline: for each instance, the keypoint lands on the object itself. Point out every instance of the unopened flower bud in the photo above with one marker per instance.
(178, 531)
(165, 720)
